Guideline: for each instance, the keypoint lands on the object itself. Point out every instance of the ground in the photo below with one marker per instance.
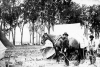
(30, 56)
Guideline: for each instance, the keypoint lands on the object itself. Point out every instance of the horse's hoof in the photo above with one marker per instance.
(92, 59)
(57, 61)
(67, 62)
(76, 63)
(82, 61)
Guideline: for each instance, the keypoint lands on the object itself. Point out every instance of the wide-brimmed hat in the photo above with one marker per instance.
(91, 36)
(65, 34)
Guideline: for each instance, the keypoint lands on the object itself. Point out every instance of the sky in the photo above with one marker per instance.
(87, 2)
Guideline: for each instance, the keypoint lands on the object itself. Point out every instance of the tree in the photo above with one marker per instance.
(11, 18)
(91, 17)
(94, 18)
(9, 14)
(31, 9)
(65, 11)
(39, 28)
(48, 13)
(21, 26)
(30, 30)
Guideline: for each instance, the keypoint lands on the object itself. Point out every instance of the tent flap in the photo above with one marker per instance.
(2, 50)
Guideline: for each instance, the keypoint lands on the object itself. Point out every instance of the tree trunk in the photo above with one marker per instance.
(30, 37)
(4, 28)
(4, 40)
(21, 31)
(33, 33)
(22, 36)
(9, 35)
(39, 39)
(49, 30)
(13, 35)
(36, 38)
(1, 25)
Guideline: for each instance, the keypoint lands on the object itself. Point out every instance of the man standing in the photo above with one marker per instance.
(65, 47)
(91, 44)
(65, 42)
(91, 48)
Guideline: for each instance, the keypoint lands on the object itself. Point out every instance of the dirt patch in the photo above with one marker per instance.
(30, 56)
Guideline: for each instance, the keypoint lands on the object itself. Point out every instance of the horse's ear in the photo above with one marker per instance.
(45, 33)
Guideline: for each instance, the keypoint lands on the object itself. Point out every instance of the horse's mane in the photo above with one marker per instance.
(54, 37)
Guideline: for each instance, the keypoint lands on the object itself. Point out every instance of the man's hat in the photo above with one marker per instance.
(91, 36)
(65, 34)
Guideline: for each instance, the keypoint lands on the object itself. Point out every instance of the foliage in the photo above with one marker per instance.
(94, 20)
(64, 11)
(29, 10)
(10, 12)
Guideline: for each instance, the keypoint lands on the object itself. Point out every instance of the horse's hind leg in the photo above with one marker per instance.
(79, 55)
(78, 58)
(66, 61)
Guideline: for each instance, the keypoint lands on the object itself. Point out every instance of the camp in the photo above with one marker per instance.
(74, 31)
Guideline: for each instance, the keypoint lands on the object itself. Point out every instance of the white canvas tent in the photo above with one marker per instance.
(2, 50)
(74, 30)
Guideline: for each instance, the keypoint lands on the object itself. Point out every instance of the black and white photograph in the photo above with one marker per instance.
(49, 33)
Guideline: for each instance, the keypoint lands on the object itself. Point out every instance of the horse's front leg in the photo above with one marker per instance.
(66, 54)
(57, 54)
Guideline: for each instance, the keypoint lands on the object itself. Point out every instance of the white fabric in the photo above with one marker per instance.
(92, 44)
(73, 30)
(2, 50)
(48, 52)
(48, 43)
(97, 42)
(2, 47)
(84, 43)
(2, 54)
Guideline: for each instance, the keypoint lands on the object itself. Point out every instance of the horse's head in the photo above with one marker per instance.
(44, 38)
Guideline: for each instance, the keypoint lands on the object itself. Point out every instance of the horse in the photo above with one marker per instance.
(56, 41)
(72, 47)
